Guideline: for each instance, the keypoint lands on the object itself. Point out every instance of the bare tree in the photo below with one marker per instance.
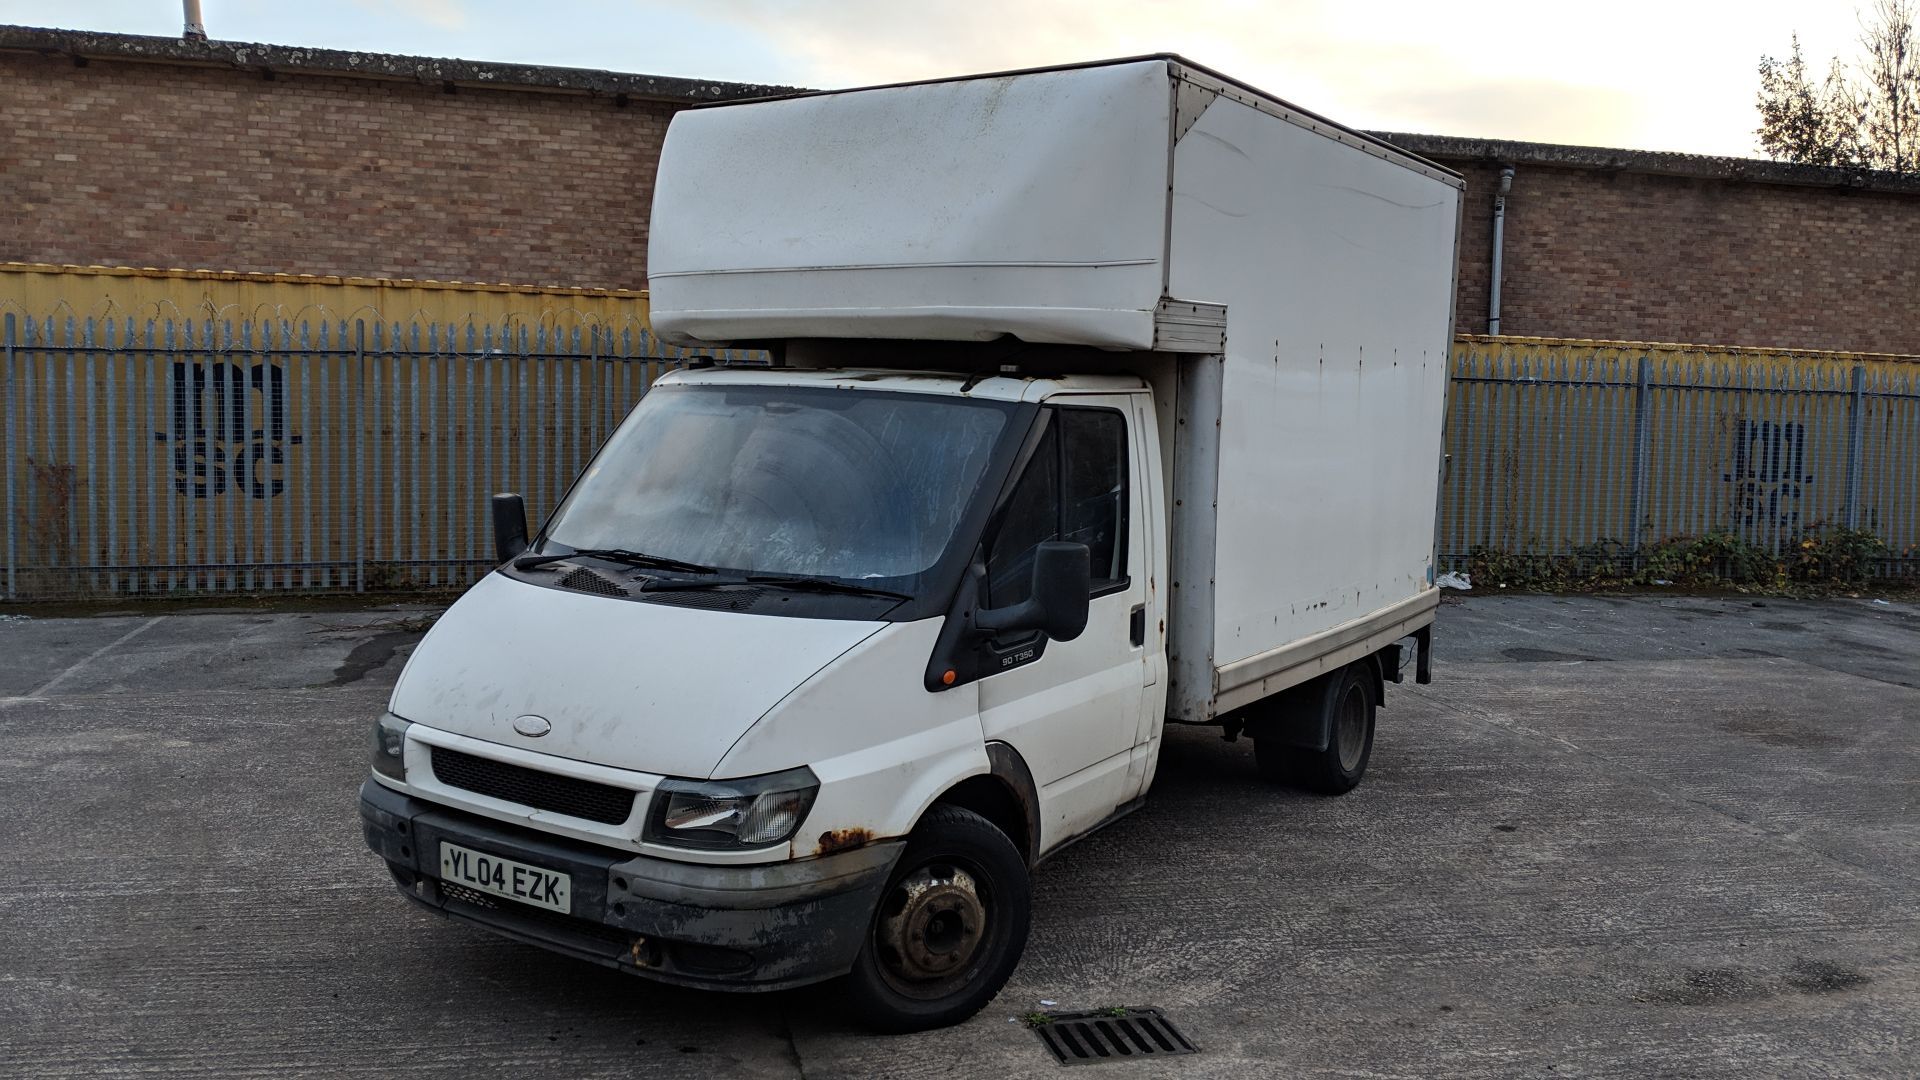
(1892, 72)
(1864, 116)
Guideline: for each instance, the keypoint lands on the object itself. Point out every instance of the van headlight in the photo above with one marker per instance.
(388, 753)
(753, 812)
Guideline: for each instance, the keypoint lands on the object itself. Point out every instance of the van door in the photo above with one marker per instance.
(1072, 708)
(1151, 563)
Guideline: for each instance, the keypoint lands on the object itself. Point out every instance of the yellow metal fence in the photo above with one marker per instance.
(235, 444)
(1599, 449)
(41, 291)
(181, 431)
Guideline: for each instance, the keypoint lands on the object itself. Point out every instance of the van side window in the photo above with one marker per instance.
(1074, 488)
(1093, 505)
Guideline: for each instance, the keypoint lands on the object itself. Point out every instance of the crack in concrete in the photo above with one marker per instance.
(793, 1045)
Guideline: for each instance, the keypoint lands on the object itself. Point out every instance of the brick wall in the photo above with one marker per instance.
(164, 164)
(1642, 257)
(158, 165)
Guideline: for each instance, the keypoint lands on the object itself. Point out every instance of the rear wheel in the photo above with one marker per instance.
(949, 928)
(1344, 707)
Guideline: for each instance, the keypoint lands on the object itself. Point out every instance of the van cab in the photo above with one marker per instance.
(737, 624)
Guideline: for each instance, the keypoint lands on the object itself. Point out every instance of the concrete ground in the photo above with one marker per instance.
(1617, 837)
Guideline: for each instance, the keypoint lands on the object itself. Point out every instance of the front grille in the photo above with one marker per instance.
(532, 787)
(494, 909)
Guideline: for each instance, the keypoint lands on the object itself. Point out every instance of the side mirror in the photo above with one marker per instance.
(509, 526)
(1062, 577)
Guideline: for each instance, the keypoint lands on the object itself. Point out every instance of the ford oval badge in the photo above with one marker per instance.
(531, 726)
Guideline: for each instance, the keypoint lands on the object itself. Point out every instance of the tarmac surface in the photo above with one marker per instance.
(1618, 836)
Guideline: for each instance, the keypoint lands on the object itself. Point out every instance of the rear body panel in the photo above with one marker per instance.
(1335, 265)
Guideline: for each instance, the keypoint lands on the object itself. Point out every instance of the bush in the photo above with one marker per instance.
(1823, 557)
(1839, 556)
(1718, 558)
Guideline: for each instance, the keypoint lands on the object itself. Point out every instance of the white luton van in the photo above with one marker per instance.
(1101, 398)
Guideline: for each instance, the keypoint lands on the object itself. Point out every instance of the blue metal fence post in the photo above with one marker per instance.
(1856, 443)
(595, 405)
(358, 496)
(10, 464)
(1639, 504)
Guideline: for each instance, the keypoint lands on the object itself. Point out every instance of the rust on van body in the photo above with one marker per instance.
(844, 840)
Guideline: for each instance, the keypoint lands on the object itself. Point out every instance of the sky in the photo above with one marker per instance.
(1641, 74)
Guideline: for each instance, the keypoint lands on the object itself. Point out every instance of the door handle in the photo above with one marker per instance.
(1137, 626)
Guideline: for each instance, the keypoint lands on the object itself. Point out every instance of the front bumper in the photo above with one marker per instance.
(762, 927)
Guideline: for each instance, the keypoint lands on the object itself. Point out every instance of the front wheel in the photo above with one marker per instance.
(949, 928)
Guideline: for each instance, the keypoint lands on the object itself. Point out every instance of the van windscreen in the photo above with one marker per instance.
(860, 485)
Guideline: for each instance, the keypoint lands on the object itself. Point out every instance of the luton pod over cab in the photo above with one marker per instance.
(1101, 398)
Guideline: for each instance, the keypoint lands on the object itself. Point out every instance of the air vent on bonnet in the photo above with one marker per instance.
(581, 579)
(718, 599)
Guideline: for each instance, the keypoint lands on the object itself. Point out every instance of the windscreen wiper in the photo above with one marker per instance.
(619, 555)
(778, 581)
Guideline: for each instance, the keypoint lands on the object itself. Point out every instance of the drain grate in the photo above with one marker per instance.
(1087, 1038)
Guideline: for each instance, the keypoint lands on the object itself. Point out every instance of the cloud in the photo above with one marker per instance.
(1645, 73)
(864, 41)
(1311, 52)
(443, 14)
(1651, 74)
(1527, 109)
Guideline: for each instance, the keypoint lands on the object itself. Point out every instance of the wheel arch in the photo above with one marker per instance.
(1294, 715)
(1005, 795)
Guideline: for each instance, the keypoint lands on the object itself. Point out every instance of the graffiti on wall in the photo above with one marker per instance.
(229, 429)
(1770, 473)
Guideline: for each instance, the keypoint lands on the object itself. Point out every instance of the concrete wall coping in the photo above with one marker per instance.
(183, 273)
(1449, 148)
(85, 45)
(1496, 341)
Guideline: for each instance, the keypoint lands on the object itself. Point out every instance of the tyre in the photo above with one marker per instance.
(949, 928)
(1345, 703)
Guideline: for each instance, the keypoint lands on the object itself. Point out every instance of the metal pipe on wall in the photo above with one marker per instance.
(1499, 243)
(194, 30)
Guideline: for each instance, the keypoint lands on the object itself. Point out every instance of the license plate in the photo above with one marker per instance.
(503, 877)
